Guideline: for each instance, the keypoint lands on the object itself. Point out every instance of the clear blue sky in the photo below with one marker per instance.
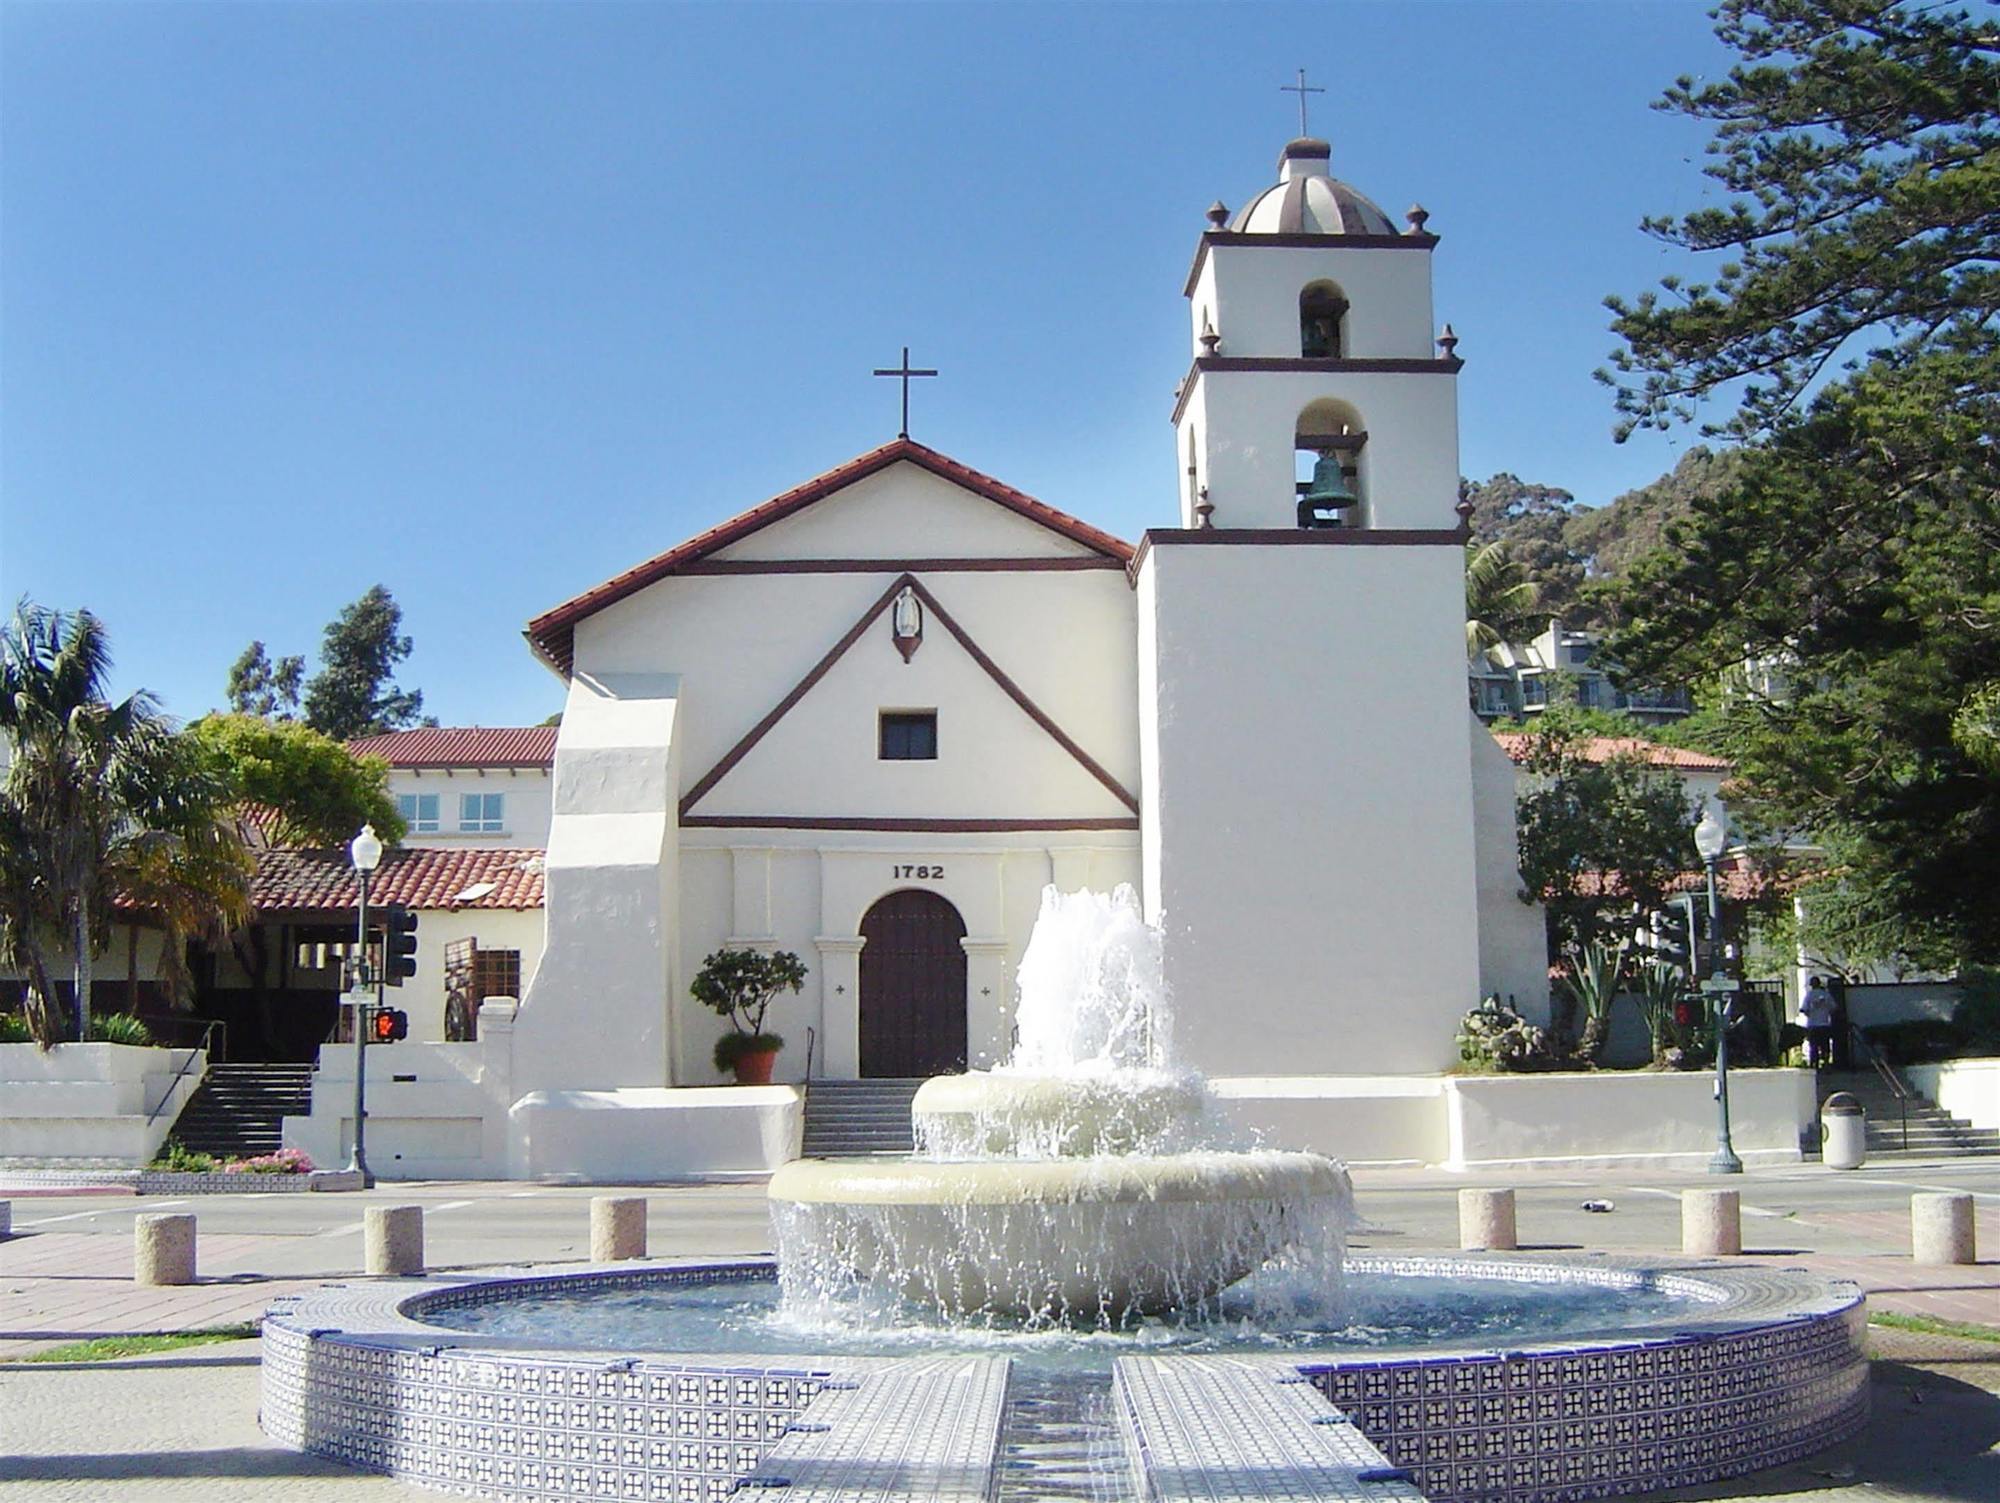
(489, 302)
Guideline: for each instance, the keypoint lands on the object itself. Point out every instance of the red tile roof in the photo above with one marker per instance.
(552, 634)
(1603, 748)
(322, 881)
(462, 746)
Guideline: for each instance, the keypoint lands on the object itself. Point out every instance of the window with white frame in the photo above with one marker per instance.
(482, 813)
(419, 811)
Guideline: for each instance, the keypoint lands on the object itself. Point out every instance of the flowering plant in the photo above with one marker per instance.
(284, 1161)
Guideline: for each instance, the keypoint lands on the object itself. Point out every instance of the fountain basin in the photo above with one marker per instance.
(990, 1114)
(1096, 1240)
(1748, 1368)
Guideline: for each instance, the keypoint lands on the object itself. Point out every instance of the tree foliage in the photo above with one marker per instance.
(1531, 521)
(258, 686)
(1856, 140)
(96, 791)
(1862, 551)
(312, 790)
(355, 691)
(1502, 604)
(1598, 839)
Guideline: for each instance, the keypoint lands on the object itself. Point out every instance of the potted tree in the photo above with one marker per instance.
(740, 985)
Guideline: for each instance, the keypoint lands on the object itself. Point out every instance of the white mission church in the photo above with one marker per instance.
(869, 719)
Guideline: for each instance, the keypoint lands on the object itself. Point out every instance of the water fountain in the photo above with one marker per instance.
(1088, 1179)
(1085, 1284)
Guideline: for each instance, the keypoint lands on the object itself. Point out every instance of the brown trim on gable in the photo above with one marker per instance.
(1224, 238)
(1059, 564)
(1015, 693)
(819, 670)
(897, 826)
(1302, 537)
(553, 633)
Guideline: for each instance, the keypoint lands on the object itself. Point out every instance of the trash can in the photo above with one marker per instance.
(1843, 1132)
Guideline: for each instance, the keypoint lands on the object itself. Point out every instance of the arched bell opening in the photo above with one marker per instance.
(1327, 446)
(1322, 321)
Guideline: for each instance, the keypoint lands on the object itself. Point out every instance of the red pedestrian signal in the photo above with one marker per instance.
(391, 1024)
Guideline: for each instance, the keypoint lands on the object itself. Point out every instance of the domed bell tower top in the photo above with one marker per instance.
(1318, 395)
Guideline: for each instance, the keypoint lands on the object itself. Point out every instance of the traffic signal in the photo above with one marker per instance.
(391, 1024)
(1671, 942)
(399, 944)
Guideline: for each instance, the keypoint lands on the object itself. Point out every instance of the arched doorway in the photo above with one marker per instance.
(912, 987)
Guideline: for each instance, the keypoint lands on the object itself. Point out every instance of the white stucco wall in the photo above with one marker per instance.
(92, 1104)
(1252, 294)
(1513, 936)
(1309, 786)
(1967, 1088)
(808, 892)
(1408, 470)
(527, 790)
(598, 1015)
(1666, 1117)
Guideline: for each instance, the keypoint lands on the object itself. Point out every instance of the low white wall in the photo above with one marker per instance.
(435, 1111)
(1967, 1088)
(1667, 1118)
(1363, 1119)
(650, 1133)
(92, 1103)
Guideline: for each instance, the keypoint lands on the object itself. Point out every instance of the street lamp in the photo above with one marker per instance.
(366, 851)
(1711, 836)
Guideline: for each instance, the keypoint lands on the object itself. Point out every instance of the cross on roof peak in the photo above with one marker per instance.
(1301, 88)
(905, 372)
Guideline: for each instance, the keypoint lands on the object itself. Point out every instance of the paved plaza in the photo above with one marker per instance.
(183, 1423)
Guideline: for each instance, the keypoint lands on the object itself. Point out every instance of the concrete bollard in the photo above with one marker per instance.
(617, 1228)
(1711, 1223)
(395, 1239)
(163, 1249)
(1486, 1220)
(1941, 1229)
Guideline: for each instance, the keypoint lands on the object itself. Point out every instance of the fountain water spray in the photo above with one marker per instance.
(1087, 1181)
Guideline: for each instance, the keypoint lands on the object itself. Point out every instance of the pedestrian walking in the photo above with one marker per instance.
(1816, 1017)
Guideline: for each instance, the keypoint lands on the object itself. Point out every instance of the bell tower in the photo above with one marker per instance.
(1314, 370)
(1305, 741)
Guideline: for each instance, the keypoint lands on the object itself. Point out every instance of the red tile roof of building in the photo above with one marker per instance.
(552, 634)
(1603, 748)
(322, 881)
(462, 746)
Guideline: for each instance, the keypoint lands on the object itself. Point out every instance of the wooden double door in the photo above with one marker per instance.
(912, 987)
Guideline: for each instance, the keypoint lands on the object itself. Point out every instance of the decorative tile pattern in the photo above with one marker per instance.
(1217, 1430)
(1759, 1367)
(1775, 1370)
(925, 1429)
(175, 1182)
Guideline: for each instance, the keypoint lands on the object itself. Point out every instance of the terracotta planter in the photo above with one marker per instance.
(755, 1069)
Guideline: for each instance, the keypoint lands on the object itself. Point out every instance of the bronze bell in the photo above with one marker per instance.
(1327, 496)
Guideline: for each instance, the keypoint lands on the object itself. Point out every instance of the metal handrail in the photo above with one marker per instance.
(180, 1074)
(1886, 1073)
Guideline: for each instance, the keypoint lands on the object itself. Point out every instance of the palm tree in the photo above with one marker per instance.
(1500, 600)
(94, 788)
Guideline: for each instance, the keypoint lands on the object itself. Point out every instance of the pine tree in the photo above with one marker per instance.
(355, 692)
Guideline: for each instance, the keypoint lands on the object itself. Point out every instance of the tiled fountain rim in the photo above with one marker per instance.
(1770, 1368)
(1732, 1296)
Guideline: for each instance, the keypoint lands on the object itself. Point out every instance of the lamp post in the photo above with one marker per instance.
(1710, 837)
(366, 851)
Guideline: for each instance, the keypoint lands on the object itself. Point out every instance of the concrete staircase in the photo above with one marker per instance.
(238, 1111)
(1933, 1132)
(856, 1118)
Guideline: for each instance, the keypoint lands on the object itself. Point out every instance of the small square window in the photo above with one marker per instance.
(419, 811)
(909, 736)
(482, 813)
